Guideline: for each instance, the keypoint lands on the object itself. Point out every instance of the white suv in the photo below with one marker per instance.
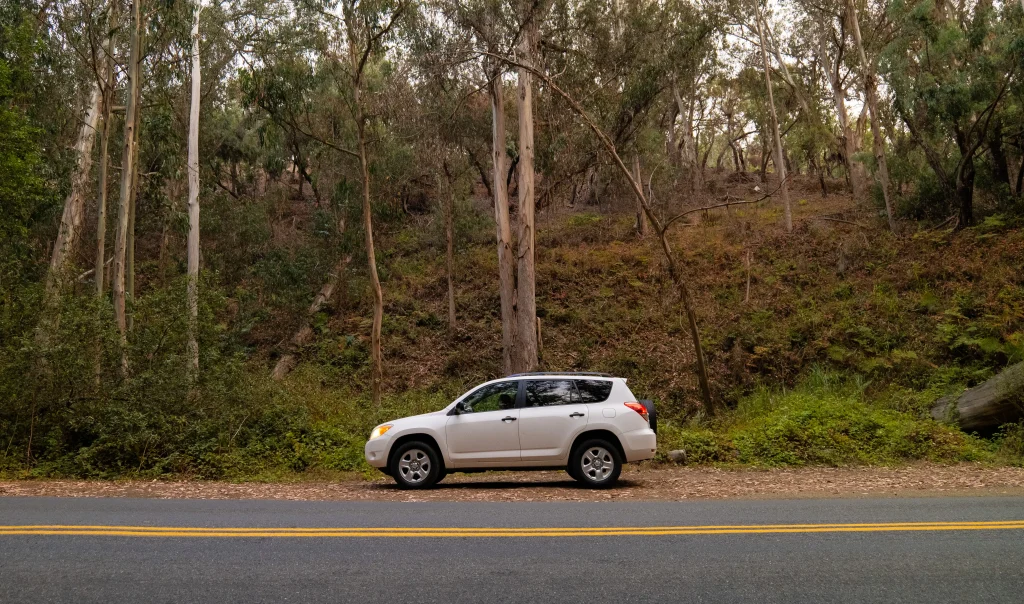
(586, 423)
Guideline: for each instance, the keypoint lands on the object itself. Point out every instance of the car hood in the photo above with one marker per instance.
(412, 418)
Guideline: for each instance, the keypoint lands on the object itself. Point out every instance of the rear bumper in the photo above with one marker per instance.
(640, 444)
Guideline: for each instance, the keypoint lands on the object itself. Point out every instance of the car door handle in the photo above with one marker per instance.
(508, 419)
(576, 414)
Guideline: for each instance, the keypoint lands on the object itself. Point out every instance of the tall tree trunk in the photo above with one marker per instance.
(193, 208)
(965, 193)
(1020, 177)
(780, 156)
(661, 228)
(847, 138)
(1000, 165)
(687, 146)
(371, 256)
(448, 194)
(74, 205)
(732, 142)
(132, 207)
(670, 137)
(101, 196)
(871, 94)
(506, 257)
(124, 199)
(641, 223)
(101, 193)
(526, 303)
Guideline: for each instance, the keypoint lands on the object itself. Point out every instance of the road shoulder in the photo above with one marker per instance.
(637, 483)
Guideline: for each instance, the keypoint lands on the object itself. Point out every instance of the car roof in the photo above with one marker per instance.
(570, 374)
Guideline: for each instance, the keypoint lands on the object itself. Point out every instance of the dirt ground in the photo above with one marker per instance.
(637, 483)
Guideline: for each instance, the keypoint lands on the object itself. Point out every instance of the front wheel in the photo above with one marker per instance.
(596, 463)
(416, 465)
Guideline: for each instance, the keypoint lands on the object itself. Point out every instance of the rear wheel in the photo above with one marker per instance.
(416, 465)
(596, 463)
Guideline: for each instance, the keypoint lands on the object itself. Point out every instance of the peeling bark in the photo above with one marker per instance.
(506, 257)
(74, 205)
(526, 302)
(192, 351)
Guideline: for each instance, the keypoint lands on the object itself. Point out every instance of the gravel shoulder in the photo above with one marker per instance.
(637, 483)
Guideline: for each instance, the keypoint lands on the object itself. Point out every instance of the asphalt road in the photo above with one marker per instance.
(856, 550)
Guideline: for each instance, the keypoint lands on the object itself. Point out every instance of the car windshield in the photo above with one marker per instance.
(492, 397)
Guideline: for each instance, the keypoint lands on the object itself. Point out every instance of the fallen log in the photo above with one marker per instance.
(997, 401)
(289, 359)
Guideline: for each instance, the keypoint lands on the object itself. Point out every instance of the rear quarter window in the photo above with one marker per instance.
(594, 391)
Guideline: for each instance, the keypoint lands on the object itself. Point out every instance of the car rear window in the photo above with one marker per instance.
(594, 391)
(546, 393)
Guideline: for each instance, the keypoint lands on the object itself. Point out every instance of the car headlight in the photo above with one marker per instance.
(379, 430)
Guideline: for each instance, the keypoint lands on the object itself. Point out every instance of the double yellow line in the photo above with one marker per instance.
(432, 532)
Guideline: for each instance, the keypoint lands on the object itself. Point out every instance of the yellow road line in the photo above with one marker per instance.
(377, 532)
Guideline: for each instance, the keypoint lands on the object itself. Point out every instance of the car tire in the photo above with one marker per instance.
(596, 463)
(415, 465)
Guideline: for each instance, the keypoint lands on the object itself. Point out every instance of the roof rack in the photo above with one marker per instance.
(580, 373)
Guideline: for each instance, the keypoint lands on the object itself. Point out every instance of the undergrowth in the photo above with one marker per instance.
(846, 340)
(828, 420)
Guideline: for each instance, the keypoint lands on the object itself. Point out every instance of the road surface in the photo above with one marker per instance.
(844, 550)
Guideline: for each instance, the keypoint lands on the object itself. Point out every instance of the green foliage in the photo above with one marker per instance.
(827, 420)
(23, 191)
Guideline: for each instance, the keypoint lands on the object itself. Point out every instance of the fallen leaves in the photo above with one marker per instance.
(637, 483)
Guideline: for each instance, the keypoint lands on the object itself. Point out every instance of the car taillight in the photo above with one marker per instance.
(639, 408)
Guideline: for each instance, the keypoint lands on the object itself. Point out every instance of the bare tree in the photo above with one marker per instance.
(780, 156)
(526, 307)
(871, 94)
(660, 227)
(641, 224)
(128, 161)
(101, 197)
(848, 137)
(506, 257)
(74, 204)
(193, 206)
(365, 37)
(448, 201)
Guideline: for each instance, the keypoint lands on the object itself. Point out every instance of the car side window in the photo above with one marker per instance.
(546, 393)
(594, 391)
(495, 397)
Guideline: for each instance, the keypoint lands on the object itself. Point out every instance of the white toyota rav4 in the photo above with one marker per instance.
(586, 423)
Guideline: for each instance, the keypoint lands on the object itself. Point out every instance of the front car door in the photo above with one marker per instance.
(551, 417)
(486, 433)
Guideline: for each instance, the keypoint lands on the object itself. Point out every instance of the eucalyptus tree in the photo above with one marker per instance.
(950, 69)
(128, 160)
(94, 18)
(871, 96)
(193, 201)
(368, 26)
(780, 155)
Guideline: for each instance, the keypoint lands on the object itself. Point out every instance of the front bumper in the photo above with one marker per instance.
(376, 452)
(640, 444)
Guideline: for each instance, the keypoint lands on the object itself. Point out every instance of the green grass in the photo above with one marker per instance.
(827, 420)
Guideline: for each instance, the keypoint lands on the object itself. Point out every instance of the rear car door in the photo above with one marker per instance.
(487, 433)
(551, 417)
